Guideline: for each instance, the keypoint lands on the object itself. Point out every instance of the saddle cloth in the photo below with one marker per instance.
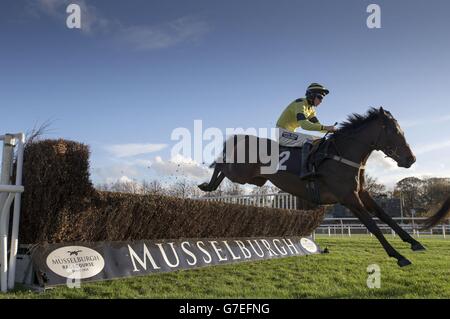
(290, 158)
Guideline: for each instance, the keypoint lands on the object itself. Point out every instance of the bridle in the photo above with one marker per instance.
(388, 150)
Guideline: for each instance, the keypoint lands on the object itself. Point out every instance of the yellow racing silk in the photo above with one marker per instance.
(300, 114)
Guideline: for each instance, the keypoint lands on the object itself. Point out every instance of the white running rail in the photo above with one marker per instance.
(10, 192)
(275, 200)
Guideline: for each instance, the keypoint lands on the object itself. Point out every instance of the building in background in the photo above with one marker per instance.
(391, 206)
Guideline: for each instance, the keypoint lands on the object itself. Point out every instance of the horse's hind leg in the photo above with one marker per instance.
(218, 180)
(372, 206)
(214, 182)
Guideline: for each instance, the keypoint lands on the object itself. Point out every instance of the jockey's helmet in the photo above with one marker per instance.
(316, 90)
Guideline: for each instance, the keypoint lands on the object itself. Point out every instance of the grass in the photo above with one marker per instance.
(339, 274)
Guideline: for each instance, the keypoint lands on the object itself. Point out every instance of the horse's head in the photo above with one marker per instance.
(392, 142)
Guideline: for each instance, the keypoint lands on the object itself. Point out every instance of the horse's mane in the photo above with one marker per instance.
(356, 121)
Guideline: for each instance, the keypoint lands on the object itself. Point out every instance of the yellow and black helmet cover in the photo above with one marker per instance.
(316, 88)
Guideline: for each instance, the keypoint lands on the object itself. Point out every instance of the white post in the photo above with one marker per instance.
(5, 179)
(443, 230)
(7, 164)
(16, 214)
(8, 193)
(349, 231)
(329, 231)
(4, 242)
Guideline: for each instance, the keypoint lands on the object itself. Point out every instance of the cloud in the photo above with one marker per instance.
(386, 170)
(127, 150)
(388, 173)
(112, 173)
(429, 121)
(379, 160)
(135, 171)
(162, 36)
(139, 37)
(53, 8)
(430, 147)
(181, 166)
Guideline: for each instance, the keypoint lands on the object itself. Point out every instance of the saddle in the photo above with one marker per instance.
(290, 161)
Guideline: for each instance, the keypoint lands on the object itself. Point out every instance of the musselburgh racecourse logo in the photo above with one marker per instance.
(202, 145)
(75, 262)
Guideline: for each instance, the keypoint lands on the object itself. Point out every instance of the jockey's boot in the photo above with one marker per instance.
(305, 173)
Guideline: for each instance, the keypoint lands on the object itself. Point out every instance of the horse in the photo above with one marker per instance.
(340, 174)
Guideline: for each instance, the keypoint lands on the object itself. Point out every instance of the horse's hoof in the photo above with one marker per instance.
(417, 247)
(403, 262)
(204, 187)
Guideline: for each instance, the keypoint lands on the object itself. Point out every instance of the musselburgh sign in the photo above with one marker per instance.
(59, 264)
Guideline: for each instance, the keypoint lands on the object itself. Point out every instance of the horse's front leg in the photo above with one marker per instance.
(354, 203)
(372, 206)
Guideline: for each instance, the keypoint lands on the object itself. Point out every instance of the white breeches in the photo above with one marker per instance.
(294, 139)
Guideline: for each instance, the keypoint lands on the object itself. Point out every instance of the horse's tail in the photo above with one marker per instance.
(438, 216)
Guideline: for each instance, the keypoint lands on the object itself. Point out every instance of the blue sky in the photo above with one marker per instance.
(139, 69)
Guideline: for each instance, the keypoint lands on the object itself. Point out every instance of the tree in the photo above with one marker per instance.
(231, 188)
(410, 190)
(264, 190)
(153, 187)
(372, 186)
(435, 191)
(131, 187)
(181, 189)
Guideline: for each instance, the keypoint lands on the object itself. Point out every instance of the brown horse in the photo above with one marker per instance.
(341, 175)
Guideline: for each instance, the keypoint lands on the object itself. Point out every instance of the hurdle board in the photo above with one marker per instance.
(73, 263)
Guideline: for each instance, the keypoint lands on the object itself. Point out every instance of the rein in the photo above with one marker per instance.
(345, 161)
(389, 151)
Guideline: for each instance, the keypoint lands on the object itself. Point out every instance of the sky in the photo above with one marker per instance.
(138, 70)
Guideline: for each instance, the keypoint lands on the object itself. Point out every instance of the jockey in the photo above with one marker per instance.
(302, 113)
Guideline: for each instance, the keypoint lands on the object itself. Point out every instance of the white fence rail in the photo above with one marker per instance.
(8, 194)
(276, 200)
(332, 226)
(352, 226)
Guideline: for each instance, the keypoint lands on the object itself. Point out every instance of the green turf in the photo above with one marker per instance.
(339, 274)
